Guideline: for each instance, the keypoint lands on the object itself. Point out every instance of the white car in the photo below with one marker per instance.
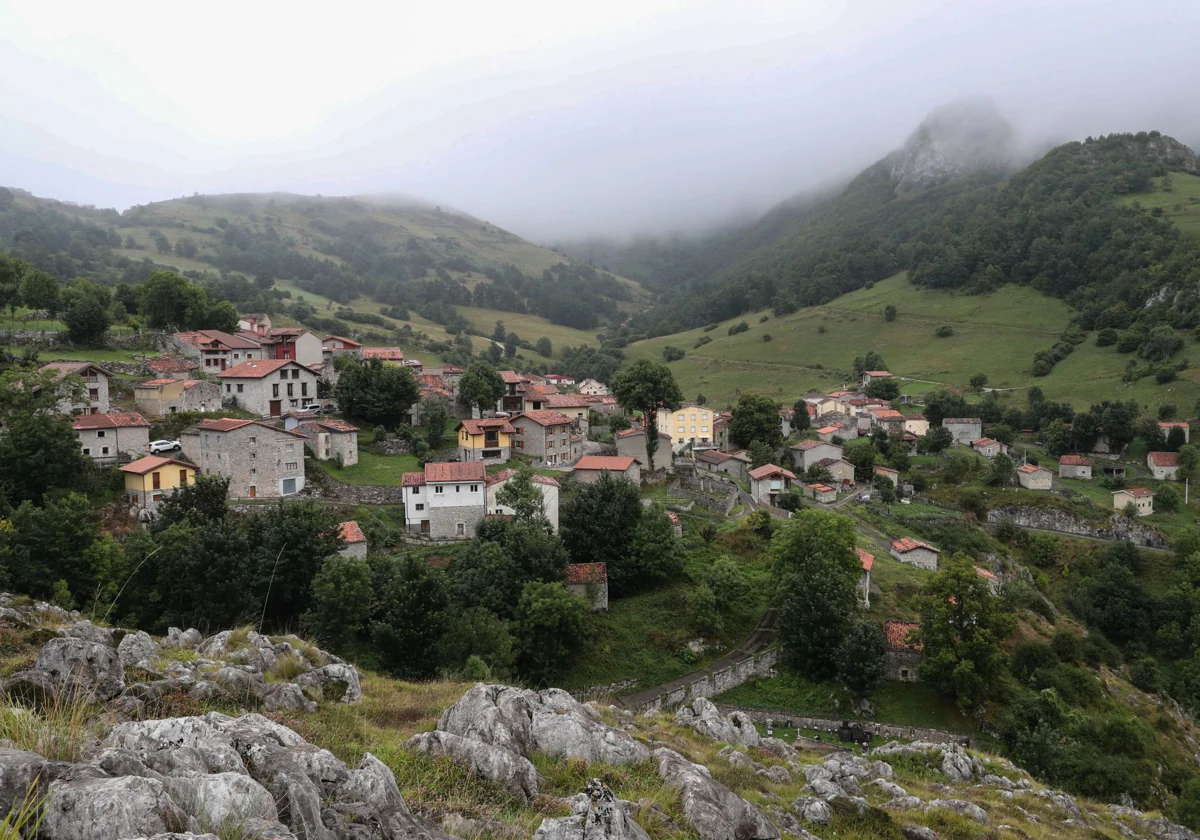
(157, 446)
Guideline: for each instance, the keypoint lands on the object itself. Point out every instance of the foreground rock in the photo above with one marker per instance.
(598, 815)
(711, 809)
(708, 721)
(514, 772)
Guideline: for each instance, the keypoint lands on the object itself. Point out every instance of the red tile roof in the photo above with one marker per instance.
(984, 573)
(342, 339)
(413, 479)
(867, 560)
(450, 471)
(225, 424)
(478, 427)
(806, 445)
(148, 463)
(895, 634)
(154, 383)
(914, 417)
(1164, 459)
(351, 533)
(68, 368)
(907, 544)
(983, 441)
(387, 354)
(887, 414)
(567, 401)
(611, 463)
(820, 488)
(1169, 424)
(767, 470)
(545, 417)
(1135, 491)
(505, 475)
(510, 377)
(256, 368)
(885, 471)
(1075, 461)
(171, 364)
(877, 373)
(828, 430)
(198, 338)
(334, 425)
(1030, 469)
(582, 573)
(115, 420)
(713, 456)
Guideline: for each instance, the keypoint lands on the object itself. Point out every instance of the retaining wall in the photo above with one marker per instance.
(1117, 527)
(710, 681)
(824, 724)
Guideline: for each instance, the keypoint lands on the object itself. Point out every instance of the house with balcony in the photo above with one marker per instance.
(446, 501)
(260, 461)
(295, 343)
(488, 440)
(269, 387)
(95, 386)
(151, 479)
(333, 346)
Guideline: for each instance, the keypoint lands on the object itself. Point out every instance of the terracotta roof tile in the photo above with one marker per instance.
(386, 354)
(895, 634)
(155, 383)
(413, 479)
(506, 474)
(612, 463)
(866, 559)
(450, 471)
(984, 573)
(767, 470)
(906, 544)
(256, 368)
(204, 338)
(582, 573)
(224, 424)
(1135, 491)
(115, 420)
(1075, 461)
(1030, 469)
(171, 364)
(148, 463)
(545, 417)
(478, 427)
(1164, 459)
(351, 533)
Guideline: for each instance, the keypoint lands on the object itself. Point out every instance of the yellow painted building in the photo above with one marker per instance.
(690, 424)
(148, 480)
(488, 440)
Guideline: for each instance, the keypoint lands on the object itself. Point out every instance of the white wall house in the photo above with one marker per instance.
(269, 387)
(447, 501)
(548, 487)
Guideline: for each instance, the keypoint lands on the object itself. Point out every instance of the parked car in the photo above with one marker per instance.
(311, 408)
(158, 446)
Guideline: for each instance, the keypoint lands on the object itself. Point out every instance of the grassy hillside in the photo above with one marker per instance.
(1178, 196)
(995, 333)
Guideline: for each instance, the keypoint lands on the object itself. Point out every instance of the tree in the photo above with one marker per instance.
(755, 418)
(479, 634)
(884, 389)
(884, 487)
(1058, 438)
(339, 611)
(869, 361)
(551, 625)
(481, 386)
(204, 500)
(482, 577)
(411, 615)
(1001, 471)
(860, 659)
(941, 404)
(760, 454)
(1189, 459)
(85, 312)
(39, 291)
(979, 381)
(291, 541)
(801, 422)
(598, 523)
(10, 284)
(1167, 499)
(377, 393)
(434, 420)
(1175, 439)
(647, 386)
(521, 495)
(938, 439)
(962, 630)
(863, 459)
(38, 453)
(166, 300)
(530, 546)
(544, 347)
(657, 555)
(816, 577)
(889, 314)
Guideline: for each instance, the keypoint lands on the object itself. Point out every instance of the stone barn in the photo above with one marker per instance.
(902, 656)
(908, 550)
(589, 581)
(1075, 466)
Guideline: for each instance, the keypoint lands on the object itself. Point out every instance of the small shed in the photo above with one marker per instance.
(901, 653)
(589, 581)
(1075, 466)
(1034, 477)
(908, 550)
(353, 539)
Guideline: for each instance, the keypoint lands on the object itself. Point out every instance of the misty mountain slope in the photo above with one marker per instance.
(399, 254)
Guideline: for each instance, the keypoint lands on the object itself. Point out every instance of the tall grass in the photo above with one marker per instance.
(65, 727)
(25, 817)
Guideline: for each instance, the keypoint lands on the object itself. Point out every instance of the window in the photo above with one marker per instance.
(183, 478)
(253, 471)
(681, 428)
(290, 448)
(474, 488)
(104, 451)
(462, 529)
(693, 430)
(253, 454)
(291, 465)
(416, 491)
(457, 488)
(240, 387)
(296, 373)
(693, 415)
(253, 438)
(437, 489)
(99, 434)
(229, 388)
(87, 451)
(420, 506)
(680, 418)
(704, 428)
(290, 390)
(304, 389)
(275, 390)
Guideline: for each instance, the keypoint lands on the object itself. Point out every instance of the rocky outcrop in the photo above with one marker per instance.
(597, 815)
(705, 718)
(513, 772)
(712, 810)
(959, 139)
(1115, 527)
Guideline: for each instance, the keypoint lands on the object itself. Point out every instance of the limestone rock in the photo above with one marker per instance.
(137, 649)
(813, 810)
(708, 721)
(778, 775)
(82, 665)
(710, 808)
(514, 772)
(189, 639)
(369, 794)
(284, 697)
(958, 765)
(890, 789)
(221, 799)
(904, 803)
(18, 771)
(332, 682)
(918, 832)
(89, 632)
(109, 809)
(601, 817)
(961, 807)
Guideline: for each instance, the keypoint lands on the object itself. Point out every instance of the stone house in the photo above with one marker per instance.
(548, 486)
(545, 437)
(1163, 466)
(172, 367)
(721, 431)
(162, 397)
(828, 433)
(107, 438)
(591, 467)
(354, 541)
(964, 430)
(1034, 477)
(593, 388)
(488, 440)
(716, 461)
(840, 471)
(809, 452)
(867, 561)
(588, 581)
(993, 582)
(901, 655)
(447, 501)
(988, 448)
(260, 461)
(574, 406)
(908, 550)
(916, 424)
(769, 482)
(294, 343)
(606, 406)
(150, 479)
(333, 346)
(217, 350)
(691, 425)
(513, 399)
(869, 376)
(887, 419)
(888, 473)
(1141, 498)
(269, 387)
(331, 440)
(822, 493)
(1165, 427)
(632, 442)
(95, 386)
(1075, 466)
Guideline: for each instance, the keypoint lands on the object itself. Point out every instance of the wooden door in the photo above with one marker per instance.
(253, 491)
(276, 407)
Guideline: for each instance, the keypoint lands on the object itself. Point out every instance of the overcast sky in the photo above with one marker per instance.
(555, 119)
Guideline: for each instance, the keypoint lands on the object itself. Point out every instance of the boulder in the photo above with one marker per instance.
(88, 631)
(958, 806)
(601, 817)
(958, 765)
(904, 803)
(369, 794)
(739, 759)
(918, 832)
(813, 810)
(708, 721)
(712, 810)
(36, 688)
(221, 800)
(778, 775)
(18, 772)
(137, 649)
(332, 683)
(889, 789)
(189, 639)
(82, 665)
(177, 835)
(109, 809)
(494, 714)
(514, 772)
(284, 697)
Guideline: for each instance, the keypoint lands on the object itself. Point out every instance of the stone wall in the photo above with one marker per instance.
(360, 494)
(1117, 527)
(824, 724)
(708, 683)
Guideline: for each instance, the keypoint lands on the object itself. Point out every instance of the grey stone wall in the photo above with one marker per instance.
(897, 662)
(361, 494)
(443, 521)
(1116, 527)
(710, 683)
(884, 730)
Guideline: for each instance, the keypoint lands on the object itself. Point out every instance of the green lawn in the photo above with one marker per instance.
(374, 469)
(996, 334)
(87, 354)
(907, 704)
(528, 327)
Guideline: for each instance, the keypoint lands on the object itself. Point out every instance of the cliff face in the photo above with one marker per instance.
(499, 761)
(963, 138)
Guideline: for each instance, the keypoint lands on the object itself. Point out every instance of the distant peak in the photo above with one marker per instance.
(960, 138)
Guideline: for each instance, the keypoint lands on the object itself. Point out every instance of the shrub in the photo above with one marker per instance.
(1106, 337)
(764, 319)
(944, 332)
(710, 327)
(739, 327)
(701, 341)
(672, 354)
(766, 336)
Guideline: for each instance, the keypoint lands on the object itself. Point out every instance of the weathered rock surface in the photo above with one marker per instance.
(961, 807)
(336, 682)
(137, 649)
(599, 815)
(109, 809)
(708, 721)
(711, 809)
(513, 771)
(82, 665)
(813, 810)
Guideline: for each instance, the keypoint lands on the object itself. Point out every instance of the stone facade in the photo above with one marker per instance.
(632, 442)
(545, 437)
(591, 467)
(808, 452)
(445, 502)
(964, 430)
(901, 658)
(331, 440)
(216, 350)
(590, 582)
(108, 438)
(1033, 477)
(1115, 527)
(917, 553)
(260, 461)
(269, 387)
(161, 397)
(1075, 466)
(95, 387)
